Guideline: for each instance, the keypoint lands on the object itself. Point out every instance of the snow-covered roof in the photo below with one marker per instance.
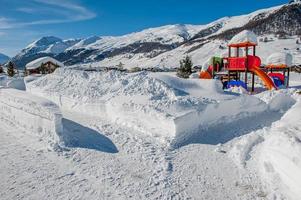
(281, 58)
(244, 37)
(38, 62)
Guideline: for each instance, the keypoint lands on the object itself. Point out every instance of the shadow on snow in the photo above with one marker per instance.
(78, 136)
(225, 132)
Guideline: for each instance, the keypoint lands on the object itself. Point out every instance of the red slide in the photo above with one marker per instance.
(206, 74)
(269, 83)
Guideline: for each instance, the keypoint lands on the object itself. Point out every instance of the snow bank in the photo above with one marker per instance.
(244, 36)
(281, 102)
(32, 77)
(163, 106)
(195, 75)
(16, 83)
(238, 90)
(3, 80)
(9, 82)
(275, 150)
(280, 161)
(280, 59)
(34, 114)
(135, 100)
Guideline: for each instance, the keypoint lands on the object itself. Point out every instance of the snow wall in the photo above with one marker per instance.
(279, 158)
(145, 103)
(33, 114)
(9, 82)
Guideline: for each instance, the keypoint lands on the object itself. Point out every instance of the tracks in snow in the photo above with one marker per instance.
(143, 168)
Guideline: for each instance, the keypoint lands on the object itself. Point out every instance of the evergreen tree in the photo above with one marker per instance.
(185, 68)
(43, 69)
(11, 69)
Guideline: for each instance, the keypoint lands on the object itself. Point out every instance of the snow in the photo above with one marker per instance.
(239, 90)
(273, 152)
(280, 156)
(245, 147)
(33, 114)
(38, 62)
(243, 37)
(123, 98)
(280, 59)
(169, 108)
(12, 82)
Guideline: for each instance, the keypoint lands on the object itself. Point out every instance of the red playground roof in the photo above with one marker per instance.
(244, 44)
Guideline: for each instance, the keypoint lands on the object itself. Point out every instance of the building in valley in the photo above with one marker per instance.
(44, 65)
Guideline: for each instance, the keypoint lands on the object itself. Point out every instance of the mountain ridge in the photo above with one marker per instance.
(3, 58)
(148, 45)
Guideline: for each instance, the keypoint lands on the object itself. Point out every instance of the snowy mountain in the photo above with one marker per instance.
(164, 46)
(3, 58)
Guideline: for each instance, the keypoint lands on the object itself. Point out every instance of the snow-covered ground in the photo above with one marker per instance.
(154, 136)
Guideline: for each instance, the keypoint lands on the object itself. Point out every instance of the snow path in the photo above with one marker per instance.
(121, 164)
(179, 173)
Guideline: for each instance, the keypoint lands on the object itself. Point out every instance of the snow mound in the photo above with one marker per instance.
(244, 37)
(38, 62)
(281, 102)
(16, 83)
(164, 106)
(238, 90)
(195, 75)
(280, 59)
(280, 161)
(135, 100)
(33, 114)
(11, 82)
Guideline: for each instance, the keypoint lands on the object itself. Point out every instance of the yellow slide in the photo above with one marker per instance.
(269, 83)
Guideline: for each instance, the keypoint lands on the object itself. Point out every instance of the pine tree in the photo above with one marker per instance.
(185, 68)
(43, 69)
(11, 69)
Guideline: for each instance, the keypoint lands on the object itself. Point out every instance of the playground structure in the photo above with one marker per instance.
(231, 68)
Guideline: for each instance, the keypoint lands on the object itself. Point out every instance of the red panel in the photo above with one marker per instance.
(237, 63)
(254, 61)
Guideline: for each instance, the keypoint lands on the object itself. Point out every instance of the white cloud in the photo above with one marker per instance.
(15, 32)
(5, 23)
(26, 9)
(78, 13)
(65, 11)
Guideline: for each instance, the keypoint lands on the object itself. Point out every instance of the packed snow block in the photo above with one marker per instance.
(134, 112)
(16, 83)
(217, 114)
(168, 108)
(35, 115)
(10, 82)
(281, 102)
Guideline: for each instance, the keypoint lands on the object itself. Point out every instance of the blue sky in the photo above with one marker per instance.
(22, 21)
